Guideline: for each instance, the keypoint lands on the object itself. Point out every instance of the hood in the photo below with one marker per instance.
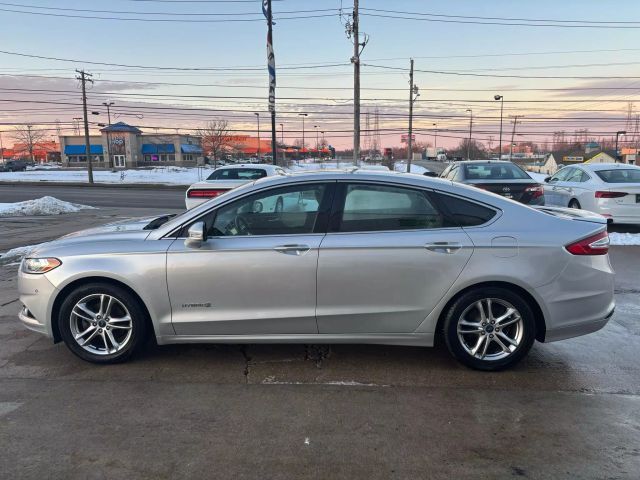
(109, 235)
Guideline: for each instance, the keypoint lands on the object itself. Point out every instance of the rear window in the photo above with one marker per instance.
(620, 175)
(494, 171)
(465, 212)
(238, 174)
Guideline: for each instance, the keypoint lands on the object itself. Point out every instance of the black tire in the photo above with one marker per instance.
(139, 329)
(470, 299)
(574, 204)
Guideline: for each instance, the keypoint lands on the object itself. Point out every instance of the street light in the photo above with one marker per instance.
(282, 142)
(317, 140)
(303, 115)
(501, 98)
(108, 105)
(618, 133)
(258, 149)
(470, 129)
(435, 139)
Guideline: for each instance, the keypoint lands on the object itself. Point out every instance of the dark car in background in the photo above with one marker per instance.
(14, 166)
(500, 177)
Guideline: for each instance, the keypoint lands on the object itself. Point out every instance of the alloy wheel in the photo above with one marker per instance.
(490, 329)
(101, 324)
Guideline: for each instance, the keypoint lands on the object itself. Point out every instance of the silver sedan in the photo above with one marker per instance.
(358, 257)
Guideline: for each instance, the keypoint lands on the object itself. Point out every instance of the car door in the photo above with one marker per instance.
(572, 186)
(256, 272)
(554, 188)
(390, 255)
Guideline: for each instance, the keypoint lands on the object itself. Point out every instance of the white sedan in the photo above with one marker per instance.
(226, 178)
(610, 189)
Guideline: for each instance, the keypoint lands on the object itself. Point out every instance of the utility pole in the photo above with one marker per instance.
(470, 130)
(84, 78)
(409, 143)
(108, 105)
(435, 140)
(303, 115)
(513, 134)
(356, 84)
(271, 65)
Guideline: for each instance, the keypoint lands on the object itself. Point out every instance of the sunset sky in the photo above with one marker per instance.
(314, 74)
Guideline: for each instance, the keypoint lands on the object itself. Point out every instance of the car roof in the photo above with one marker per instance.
(595, 167)
(471, 162)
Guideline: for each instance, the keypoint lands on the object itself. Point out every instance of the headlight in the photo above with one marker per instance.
(40, 265)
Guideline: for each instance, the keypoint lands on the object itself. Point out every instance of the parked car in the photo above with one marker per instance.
(14, 166)
(497, 176)
(226, 178)
(610, 189)
(329, 257)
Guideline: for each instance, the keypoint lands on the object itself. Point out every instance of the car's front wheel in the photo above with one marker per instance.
(102, 323)
(489, 328)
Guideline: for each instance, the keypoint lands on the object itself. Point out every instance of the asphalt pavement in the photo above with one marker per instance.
(98, 196)
(570, 410)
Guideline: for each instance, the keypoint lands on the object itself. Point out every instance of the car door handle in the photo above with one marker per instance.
(443, 247)
(292, 249)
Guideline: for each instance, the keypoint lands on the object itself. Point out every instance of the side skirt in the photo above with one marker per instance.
(409, 339)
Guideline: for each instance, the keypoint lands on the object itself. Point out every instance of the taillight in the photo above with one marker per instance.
(601, 194)
(535, 191)
(204, 193)
(597, 244)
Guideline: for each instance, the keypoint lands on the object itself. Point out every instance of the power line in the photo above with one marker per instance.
(441, 72)
(179, 14)
(163, 20)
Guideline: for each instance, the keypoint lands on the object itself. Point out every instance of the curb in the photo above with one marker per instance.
(44, 183)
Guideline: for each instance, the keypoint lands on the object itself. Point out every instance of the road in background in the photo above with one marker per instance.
(98, 196)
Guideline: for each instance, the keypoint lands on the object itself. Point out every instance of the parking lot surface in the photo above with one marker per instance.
(569, 410)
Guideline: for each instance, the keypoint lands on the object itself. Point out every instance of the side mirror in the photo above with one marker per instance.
(547, 180)
(196, 235)
(257, 207)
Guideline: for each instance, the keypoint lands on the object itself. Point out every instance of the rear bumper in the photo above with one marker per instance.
(580, 300)
(576, 330)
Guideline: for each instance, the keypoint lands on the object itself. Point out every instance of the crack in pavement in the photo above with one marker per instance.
(9, 302)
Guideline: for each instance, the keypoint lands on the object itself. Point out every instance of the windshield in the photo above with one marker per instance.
(619, 175)
(238, 174)
(494, 171)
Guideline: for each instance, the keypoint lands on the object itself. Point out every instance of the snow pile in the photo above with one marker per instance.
(40, 206)
(616, 238)
(16, 254)
(538, 177)
(168, 175)
(402, 167)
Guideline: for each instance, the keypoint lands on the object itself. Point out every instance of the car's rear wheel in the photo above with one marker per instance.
(489, 328)
(102, 323)
(574, 204)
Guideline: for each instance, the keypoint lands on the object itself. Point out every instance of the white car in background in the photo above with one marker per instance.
(610, 189)
(227, 178)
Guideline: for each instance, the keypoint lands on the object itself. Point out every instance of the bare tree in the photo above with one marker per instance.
(29, 137)
(215, 138)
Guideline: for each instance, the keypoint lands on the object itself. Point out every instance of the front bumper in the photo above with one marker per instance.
(36, 295)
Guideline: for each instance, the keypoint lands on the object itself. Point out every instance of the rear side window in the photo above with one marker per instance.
(383, 208)
(620, 175)
(464, 212)
(238, 174)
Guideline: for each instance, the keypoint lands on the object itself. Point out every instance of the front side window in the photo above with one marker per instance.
(381, 208)
(280, 211)
(576, 176)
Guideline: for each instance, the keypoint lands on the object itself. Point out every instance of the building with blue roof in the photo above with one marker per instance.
(120, 145)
